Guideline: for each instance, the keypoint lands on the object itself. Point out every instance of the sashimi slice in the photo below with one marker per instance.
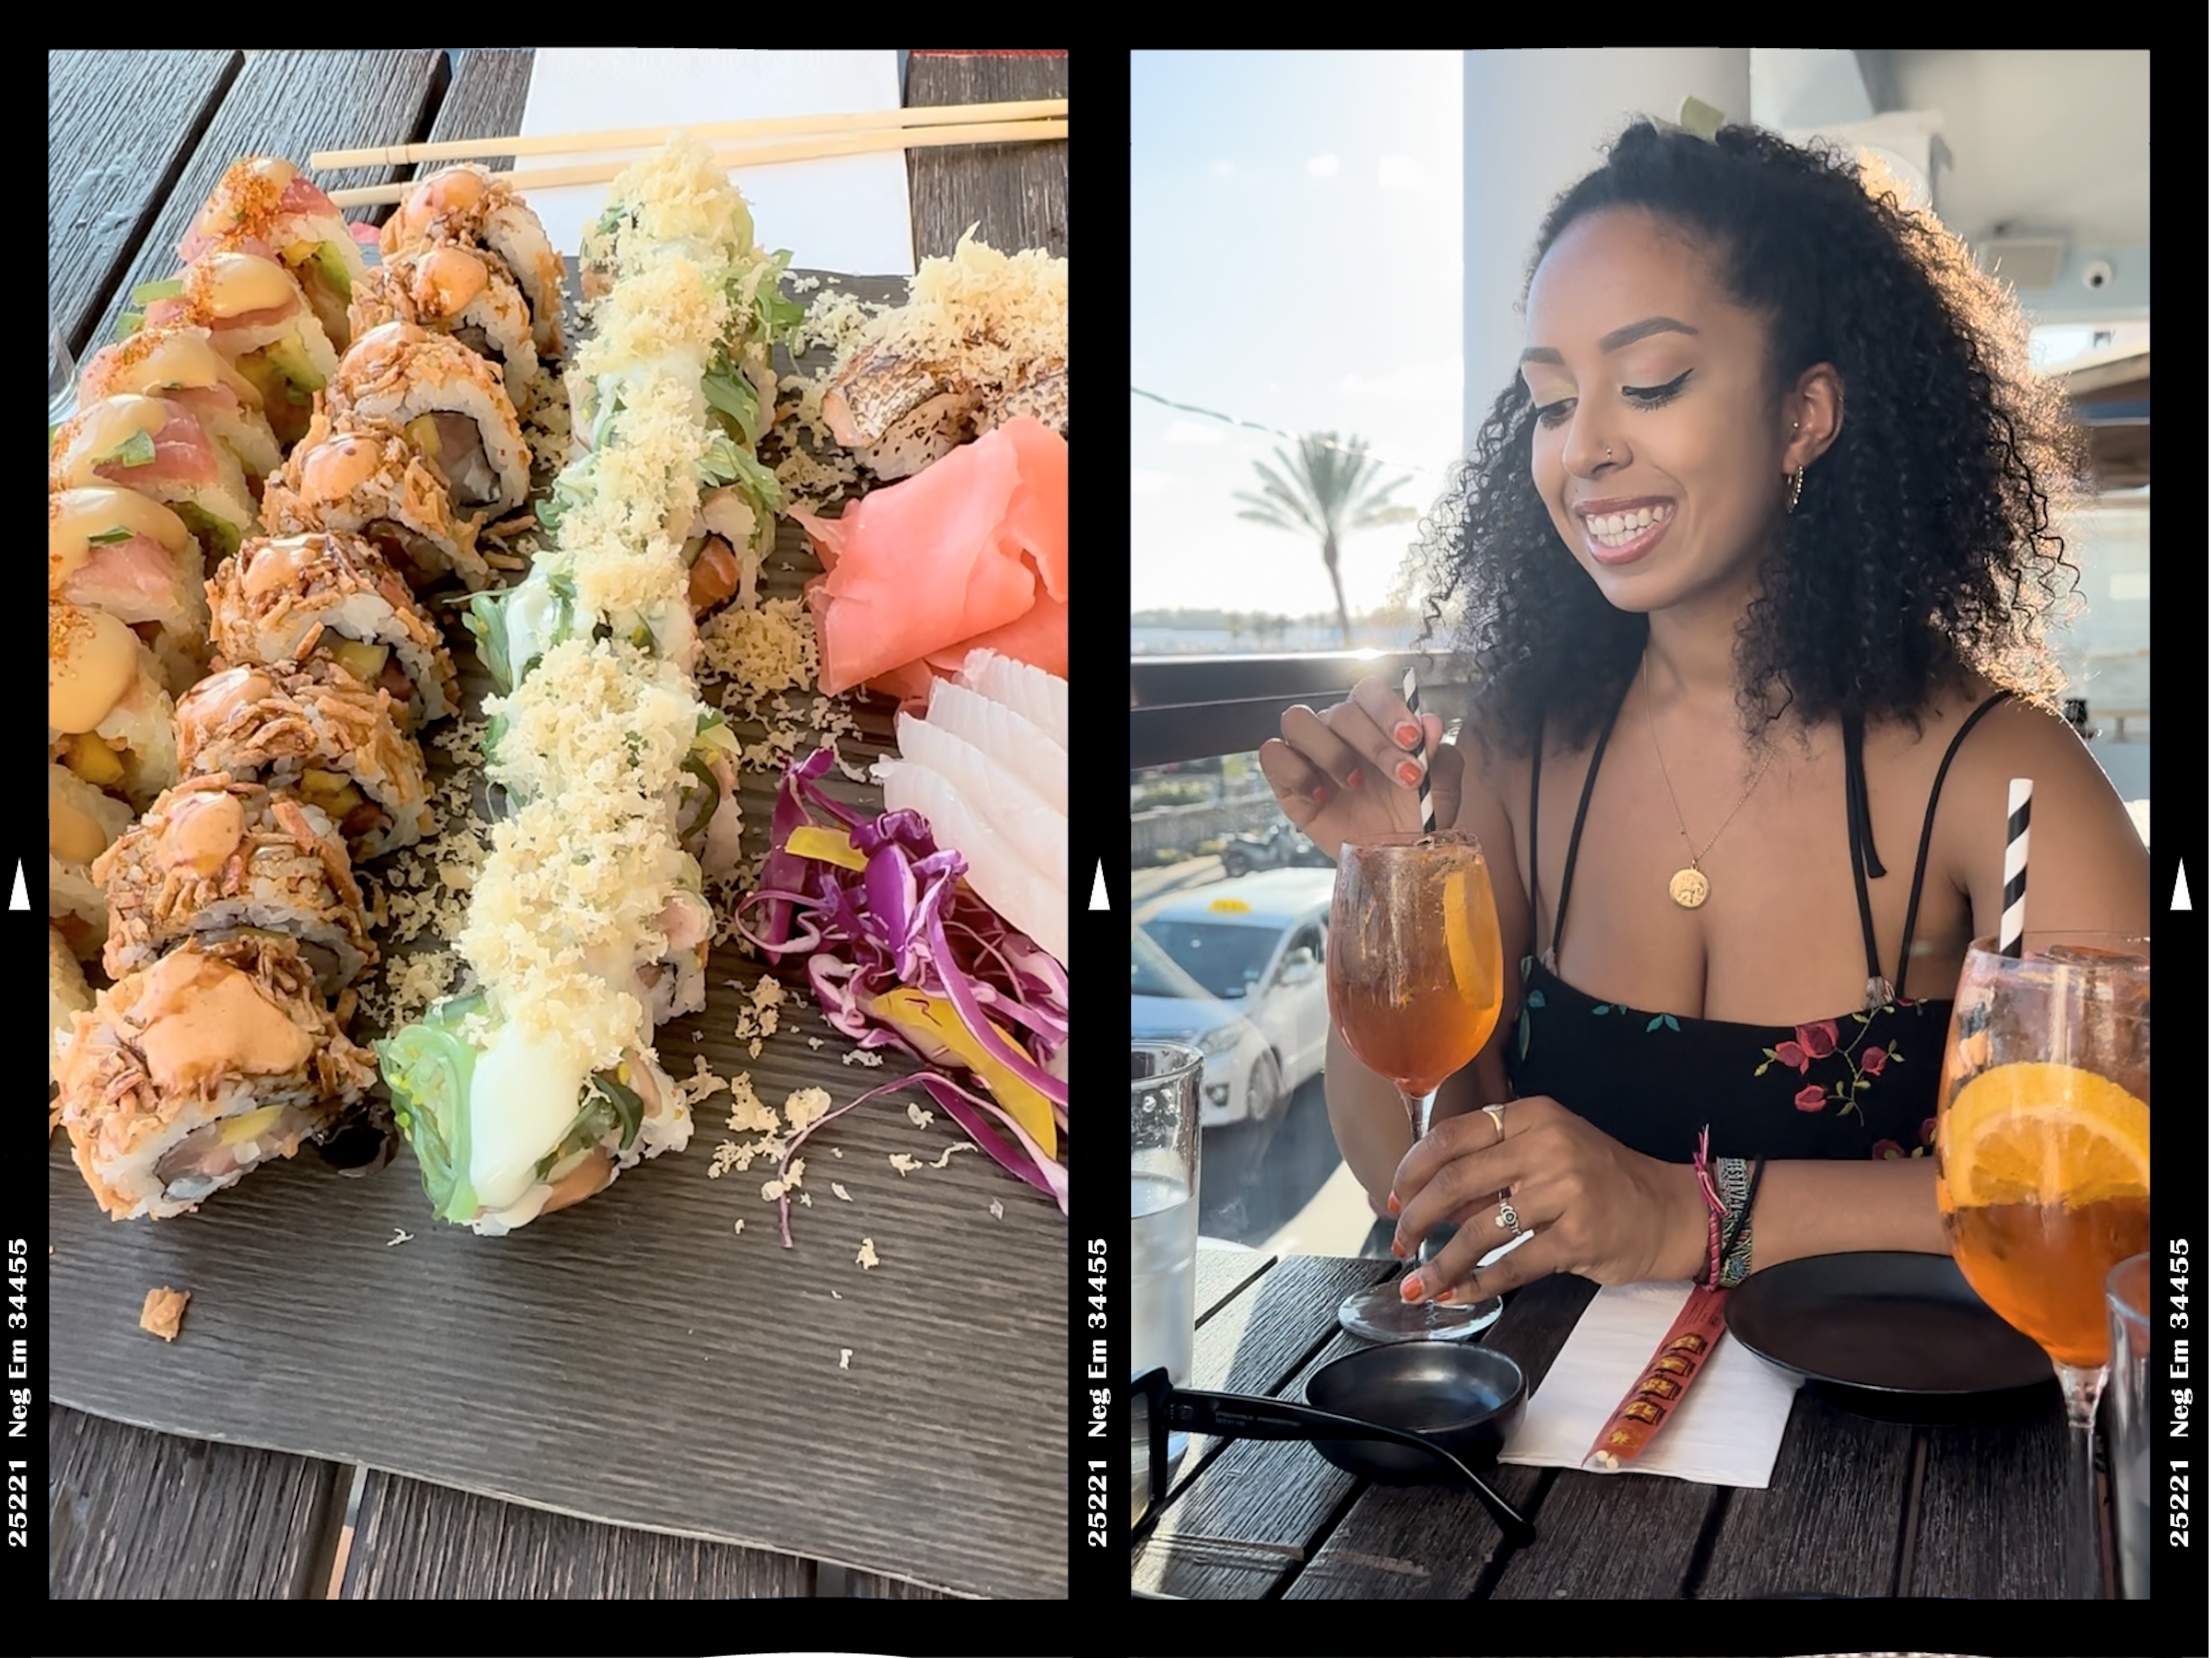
(1005, 736)
(1039, 697)
(1002, 876)
(1000, 796)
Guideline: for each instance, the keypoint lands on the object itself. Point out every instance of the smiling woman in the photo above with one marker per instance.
(1774, 484)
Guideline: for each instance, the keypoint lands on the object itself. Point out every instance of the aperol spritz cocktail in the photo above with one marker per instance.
(2043, 1154)
(1415, 980)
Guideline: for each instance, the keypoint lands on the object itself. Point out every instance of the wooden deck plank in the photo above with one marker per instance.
(133, 1514)
(420, 1541)
(120, 126)
(1016, 195)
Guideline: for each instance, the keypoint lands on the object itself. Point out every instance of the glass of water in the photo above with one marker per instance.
(1163, 1079)
(2127, 1300)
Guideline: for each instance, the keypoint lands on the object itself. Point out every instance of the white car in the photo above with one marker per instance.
(1235, 970)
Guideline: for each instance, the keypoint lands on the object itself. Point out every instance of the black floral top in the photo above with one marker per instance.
(1860, 1084)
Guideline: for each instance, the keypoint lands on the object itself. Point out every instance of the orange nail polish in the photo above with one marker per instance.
(1355, 779)
(1397, 1249)
(1393, 1203)
(1408, 734)
(1321, 793)
(1408, 773)
(1410, 1288)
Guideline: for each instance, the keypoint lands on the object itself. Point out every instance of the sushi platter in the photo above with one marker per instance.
(530, 940)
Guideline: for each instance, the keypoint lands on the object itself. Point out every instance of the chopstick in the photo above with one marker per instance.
(988, 132)
(647, 137)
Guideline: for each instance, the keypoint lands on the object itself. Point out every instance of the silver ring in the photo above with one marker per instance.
(1497, 1115)
(1507, 1220)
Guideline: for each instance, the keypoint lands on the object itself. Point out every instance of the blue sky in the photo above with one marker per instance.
(1295, 261)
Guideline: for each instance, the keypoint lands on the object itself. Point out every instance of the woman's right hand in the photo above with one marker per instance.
(1338, 775)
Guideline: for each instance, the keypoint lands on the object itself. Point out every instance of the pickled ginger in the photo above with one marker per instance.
(971, 552)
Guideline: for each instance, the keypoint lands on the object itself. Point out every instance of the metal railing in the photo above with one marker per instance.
(1195, 708)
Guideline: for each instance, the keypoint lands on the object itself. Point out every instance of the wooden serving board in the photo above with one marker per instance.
(637, 1359)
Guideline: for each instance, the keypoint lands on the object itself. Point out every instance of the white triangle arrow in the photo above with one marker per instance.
(2180, 886)
(18, 898)
(1099, 888)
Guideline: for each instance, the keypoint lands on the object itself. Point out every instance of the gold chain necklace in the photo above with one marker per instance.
(1690, 888)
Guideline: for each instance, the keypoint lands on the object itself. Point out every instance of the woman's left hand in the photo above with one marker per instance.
(1599, 1209)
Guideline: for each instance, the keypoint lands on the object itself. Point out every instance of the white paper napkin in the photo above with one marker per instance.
(1725, 1432)
(845, 213)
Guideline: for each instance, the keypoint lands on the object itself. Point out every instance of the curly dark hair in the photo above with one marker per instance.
(1921, 550)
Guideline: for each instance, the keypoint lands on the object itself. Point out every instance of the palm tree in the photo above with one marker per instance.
(1330, 491)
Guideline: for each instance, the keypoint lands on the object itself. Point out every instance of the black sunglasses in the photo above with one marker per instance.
(1158, 1407)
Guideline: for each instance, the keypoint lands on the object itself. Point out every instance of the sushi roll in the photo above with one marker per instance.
(264, 205)
(182, 365)
(67, 996)
(510, 1122)
(194, 1069)
(217, 856)
(365, 478)
(291, 598)
(461, 291)
(81, 823)
(313, 729)
(257, 317)
(107, 717)
(165, 452)
(450, 404)
(110, 550)
(466, 205)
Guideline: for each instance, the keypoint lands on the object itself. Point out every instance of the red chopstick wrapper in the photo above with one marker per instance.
(1659, 1391)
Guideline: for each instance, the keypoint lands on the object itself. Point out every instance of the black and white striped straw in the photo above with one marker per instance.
(2015, 868)
(1421, 755)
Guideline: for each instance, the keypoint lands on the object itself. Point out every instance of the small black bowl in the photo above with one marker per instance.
(1465, 1397)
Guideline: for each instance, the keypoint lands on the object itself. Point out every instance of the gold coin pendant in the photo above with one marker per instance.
(1688, 889)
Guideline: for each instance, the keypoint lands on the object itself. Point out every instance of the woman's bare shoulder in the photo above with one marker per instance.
(2081, 833)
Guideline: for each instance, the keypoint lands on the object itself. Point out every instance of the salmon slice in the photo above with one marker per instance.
(136, 581)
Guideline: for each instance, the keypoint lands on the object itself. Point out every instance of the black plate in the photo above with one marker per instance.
(1900, 1336)
(1466, 1397)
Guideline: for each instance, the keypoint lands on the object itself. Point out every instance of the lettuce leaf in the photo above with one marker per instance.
(730, 395)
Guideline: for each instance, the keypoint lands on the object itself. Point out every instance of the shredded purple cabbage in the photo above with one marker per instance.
(908, 920)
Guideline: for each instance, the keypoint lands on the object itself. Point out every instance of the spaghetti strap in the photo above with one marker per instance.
(1575, 839)
(1859, 826)
(1926, 833)
(1535, 771)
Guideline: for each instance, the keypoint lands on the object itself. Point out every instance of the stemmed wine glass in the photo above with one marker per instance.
(2043, 1154)
(1415, 980)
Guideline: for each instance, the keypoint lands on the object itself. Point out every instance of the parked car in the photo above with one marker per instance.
(1280, 848)
(1235, 970)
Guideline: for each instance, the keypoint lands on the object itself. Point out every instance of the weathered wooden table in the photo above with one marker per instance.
(137, 140)
(1857, 1507)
